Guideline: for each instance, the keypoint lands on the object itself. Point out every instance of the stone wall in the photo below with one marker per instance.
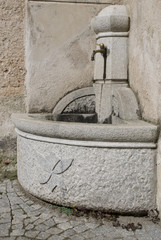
(12, 71)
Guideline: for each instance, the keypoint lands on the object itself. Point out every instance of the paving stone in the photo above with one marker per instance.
(15, 207)
(58, 238)
(33, 213)
(8, 238)
(2, 188)
(11, 194)
(35, 207)
(9, 187)
(33, 218)
(5, 220)
(80, 228)
(29, 202)
(15, 200)
(5, 217)
(88, 234)
(24, 198)
(54, 231)
(29, 227)
(39, 221)
(17, 232)
(17, 226)
(75, 223)
(42, 227)
(60, 219)
(43, 235)
(17, 220)
(31, 233)
(27, 221)
(22, 238)
(146, 237)
(124, 232)
(5, 226)
(50, 223)
(4, 205)
(18, 212)
(92, 225)
(25, 207)
(32, 221)
(4, 233)
(77, 237)
(68, 233)
(64, 226)
(46, 216)
(130, 238)
(20, 194)
(101, 237)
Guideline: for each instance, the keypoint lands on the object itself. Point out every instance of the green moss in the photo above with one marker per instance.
(66, 210)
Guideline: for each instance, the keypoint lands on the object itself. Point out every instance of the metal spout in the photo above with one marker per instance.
(102, 50)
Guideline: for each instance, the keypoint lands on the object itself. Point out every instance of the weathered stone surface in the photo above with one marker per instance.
(55, 48)
(113, 18)
(78, 101)
(103, 93)
(127, 132)
(125, 104)
(9, 105)
(12, 48)
(88, 177)
(12, 70)
(82, 105)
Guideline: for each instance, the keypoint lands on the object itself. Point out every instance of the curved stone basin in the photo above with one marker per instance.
(94, 166)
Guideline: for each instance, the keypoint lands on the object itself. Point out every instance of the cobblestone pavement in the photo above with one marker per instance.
(23, 217)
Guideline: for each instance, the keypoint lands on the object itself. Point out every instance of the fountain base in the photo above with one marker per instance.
(97, 173)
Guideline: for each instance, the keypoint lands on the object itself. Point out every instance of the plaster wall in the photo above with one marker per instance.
(144, 65)
(12, 71)
(144, 55)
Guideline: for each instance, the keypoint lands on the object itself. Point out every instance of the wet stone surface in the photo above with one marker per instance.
(23, 217)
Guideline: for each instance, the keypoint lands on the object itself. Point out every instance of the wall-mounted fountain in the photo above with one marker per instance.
(93, 151)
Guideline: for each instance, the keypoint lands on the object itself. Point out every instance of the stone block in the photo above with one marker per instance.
(59, 43)
(117, 59)
(113, 179)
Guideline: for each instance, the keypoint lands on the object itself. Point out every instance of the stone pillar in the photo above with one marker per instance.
(111, 26)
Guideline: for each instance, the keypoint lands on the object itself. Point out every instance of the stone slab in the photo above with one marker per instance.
(59, 44)
(117, 59)
(128, 131)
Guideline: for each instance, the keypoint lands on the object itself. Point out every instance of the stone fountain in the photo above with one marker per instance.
(93, 150)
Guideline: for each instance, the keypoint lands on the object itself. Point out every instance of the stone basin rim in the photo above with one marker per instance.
(129, 131)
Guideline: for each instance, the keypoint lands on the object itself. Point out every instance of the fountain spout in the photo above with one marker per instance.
(102, 50)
